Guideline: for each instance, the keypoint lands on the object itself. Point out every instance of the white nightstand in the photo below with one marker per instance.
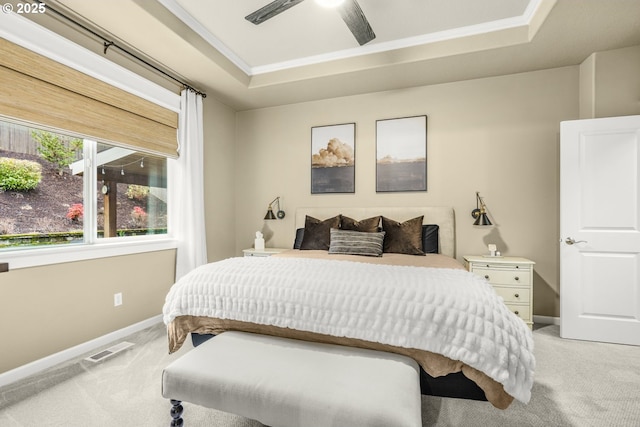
(511, 277)
(263, 252)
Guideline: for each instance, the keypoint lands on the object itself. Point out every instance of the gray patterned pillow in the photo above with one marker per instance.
(356, 242)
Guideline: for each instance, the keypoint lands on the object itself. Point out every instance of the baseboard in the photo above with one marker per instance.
(70, 353)
(547, 320)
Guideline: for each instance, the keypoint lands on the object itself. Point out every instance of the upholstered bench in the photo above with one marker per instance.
(290, 383)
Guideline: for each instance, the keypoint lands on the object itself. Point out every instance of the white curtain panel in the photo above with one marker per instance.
(187, 202)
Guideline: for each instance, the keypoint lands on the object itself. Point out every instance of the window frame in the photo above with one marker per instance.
(92, 247)
(32, 36)
(41, 256)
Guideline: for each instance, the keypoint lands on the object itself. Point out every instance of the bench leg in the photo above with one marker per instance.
(176, 413)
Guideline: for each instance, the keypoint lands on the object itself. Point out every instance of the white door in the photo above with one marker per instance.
(600, 230)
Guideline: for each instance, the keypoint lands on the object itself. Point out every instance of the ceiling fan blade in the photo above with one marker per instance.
(356, 21)
(270, 10)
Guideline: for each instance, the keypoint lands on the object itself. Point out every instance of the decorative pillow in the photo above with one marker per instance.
(356, 242)
(369, 225)
(403, 238)
(317, 233)
(430, 239)
(299, 237)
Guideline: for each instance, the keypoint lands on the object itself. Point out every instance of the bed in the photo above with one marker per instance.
(468, 344)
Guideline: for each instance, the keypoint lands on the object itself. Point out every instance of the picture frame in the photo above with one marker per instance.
(401, 154)
(333, 158)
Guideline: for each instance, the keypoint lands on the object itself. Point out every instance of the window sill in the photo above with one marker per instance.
(36, 257)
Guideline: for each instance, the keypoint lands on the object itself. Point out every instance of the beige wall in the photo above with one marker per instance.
(610, 83)
(219, 188)
(499, 136)
(49, 309)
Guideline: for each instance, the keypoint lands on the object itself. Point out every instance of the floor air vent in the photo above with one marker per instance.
(104, 354)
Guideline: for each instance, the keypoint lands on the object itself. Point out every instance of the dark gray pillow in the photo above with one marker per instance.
(317, 233)
(403, 237)
(299, 236)
(430, 239)
(356, 242)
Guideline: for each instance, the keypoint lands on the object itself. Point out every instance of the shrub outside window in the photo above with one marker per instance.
(50, 196)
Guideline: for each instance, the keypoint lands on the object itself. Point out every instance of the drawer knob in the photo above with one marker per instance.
(517, 312)
(486, 276)
(517, 278)
(517, 295)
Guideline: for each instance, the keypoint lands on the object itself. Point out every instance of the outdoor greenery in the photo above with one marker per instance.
(19, 175)
(65, 237)
(75, 212)
(57, 149)
(139, 216)
(137, 192)
(41, 200)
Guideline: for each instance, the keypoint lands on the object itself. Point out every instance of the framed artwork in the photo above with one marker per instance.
(333, 159)
(401, 154)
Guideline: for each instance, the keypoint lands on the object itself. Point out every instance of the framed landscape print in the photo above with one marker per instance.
(401, 154)
(333, 159)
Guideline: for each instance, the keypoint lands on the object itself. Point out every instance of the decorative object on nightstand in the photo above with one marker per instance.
(480, 212)
(493, 251)
(512, 279)
(279, 213)
(263, 252)
(258, 243)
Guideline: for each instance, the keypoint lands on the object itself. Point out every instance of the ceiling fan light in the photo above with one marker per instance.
(329, 3)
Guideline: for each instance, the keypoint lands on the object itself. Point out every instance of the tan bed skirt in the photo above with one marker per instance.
(434, 364)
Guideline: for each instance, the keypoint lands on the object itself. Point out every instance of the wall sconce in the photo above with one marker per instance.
(480, 212)
(279, 213)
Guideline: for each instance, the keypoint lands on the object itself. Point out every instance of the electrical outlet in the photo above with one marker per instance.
(117, 299)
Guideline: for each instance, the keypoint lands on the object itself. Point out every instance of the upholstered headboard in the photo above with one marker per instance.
(440, 215)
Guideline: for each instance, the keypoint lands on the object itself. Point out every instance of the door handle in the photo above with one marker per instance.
(570, 241)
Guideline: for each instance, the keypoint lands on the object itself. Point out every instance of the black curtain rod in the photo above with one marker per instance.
(109, 43)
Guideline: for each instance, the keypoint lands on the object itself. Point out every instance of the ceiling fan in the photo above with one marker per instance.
(349, 10)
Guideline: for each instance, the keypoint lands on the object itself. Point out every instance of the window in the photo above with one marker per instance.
(52, 83)
(132, 188)
(50, 194)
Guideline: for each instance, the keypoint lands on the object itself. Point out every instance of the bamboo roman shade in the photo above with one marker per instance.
(42, 91)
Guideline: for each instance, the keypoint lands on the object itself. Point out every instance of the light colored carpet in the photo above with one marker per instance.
(577, 384)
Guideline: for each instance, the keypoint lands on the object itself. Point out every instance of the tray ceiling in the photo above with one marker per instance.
(309, 33)
(308, 53)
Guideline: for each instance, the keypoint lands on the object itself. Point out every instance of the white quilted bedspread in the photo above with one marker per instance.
(447, 311)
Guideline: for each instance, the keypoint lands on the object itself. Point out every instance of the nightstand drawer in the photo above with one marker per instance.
(257, 254)
(512, 294)
(262, 252)
(511, 278)
(522, 311)
(504, 277)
